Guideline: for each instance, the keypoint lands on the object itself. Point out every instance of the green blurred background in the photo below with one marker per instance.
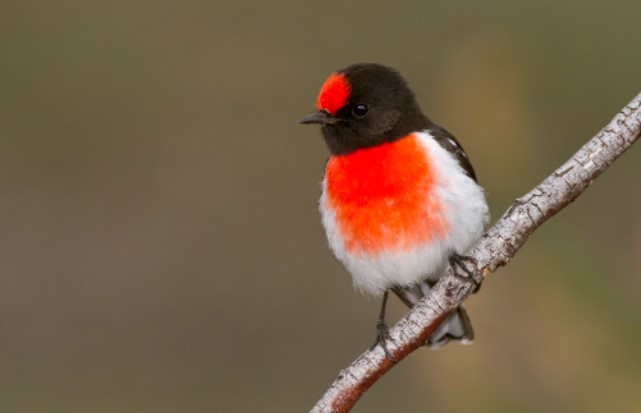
(161, 249)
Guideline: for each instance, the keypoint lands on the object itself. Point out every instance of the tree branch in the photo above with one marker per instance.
(493, 250)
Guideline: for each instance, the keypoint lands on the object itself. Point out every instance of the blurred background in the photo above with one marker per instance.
(160, 244)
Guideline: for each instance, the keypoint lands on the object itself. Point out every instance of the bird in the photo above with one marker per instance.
(400, 199)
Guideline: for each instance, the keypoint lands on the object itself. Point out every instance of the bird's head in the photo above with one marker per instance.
(365, 105)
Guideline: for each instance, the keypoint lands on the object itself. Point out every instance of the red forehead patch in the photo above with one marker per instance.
(334, 93)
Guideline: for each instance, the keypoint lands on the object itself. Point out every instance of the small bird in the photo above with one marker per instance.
(400, 200)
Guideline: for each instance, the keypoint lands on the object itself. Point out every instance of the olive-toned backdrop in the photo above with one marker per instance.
(160, 245)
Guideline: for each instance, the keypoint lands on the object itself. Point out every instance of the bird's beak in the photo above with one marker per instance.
(320, 117)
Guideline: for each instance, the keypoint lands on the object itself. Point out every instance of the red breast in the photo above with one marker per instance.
(383, 198)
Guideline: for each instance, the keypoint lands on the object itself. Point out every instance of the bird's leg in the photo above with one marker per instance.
(462, 262)
(382, 331)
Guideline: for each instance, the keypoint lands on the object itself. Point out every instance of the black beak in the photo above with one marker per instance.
(321, 117)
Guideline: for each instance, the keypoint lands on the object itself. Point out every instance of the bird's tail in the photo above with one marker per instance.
(456, 326)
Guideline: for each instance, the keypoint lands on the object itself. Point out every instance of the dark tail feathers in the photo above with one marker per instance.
(456, 326)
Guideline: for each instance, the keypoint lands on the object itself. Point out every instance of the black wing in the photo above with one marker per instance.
(450, 144)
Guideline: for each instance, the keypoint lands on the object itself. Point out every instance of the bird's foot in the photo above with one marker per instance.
(382, 337)
(467, 265)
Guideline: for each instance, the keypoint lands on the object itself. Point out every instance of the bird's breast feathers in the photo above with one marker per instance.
(394, 212)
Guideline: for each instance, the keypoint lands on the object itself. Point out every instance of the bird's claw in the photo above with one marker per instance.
(461, 262)
(382, 337)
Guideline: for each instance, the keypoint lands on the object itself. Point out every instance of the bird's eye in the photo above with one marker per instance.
(359, 110)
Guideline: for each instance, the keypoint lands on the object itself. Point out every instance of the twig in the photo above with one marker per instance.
(493, 250)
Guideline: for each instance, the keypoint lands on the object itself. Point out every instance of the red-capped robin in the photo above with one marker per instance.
(400, 200)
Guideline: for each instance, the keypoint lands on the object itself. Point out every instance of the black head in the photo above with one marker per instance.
(365, 105)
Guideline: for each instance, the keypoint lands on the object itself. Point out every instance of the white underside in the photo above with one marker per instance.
(465, 214)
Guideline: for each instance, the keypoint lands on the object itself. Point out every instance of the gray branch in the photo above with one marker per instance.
(493, 250)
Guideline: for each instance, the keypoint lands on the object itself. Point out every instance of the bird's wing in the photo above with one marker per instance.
(450, 144)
